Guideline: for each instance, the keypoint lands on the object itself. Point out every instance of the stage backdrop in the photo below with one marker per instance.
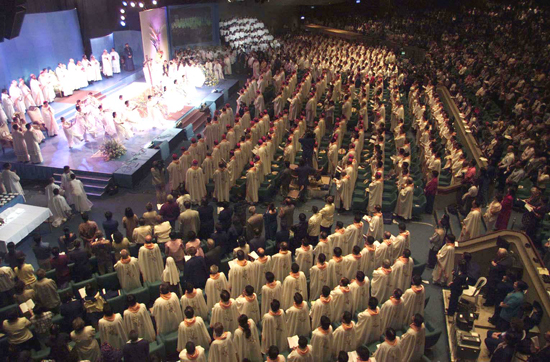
(154, 32)
(117, 40)
(45, 40)
(194, 25)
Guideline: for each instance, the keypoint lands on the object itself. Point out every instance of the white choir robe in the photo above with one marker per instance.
(270, 292)
(412, 344)
(227, 315)
(79, 197)
(113, 332)
(297, 320)
(195, 184)
(405, 202)
(248, 347)
(322, 247)
(20, 146)
(48, 116)
(193, 330)
(352, 264)
(167, 314)
(140, 321)
(321, 307)
(336, 240)
(400, 243)
(402, 273)
(368, 259)
(389, 353)
(128, 274)
(150, 263)
(383, 251)
(36, 92)
(344, 339)
(294, 283)
(391, 314)
(240, 276)
(354, 236)
(221, 185)
(280, 265)
(336, 271)
(214, 286)
(445, 263)
(360, 294)
(471, 227)
(321, 343)
(200, 356)
(304, 258)
(369, 326)
(342, 301)
(107, 65)
(115, 60)
(413, 300)
(196, 302)
(381, 284)
(301, 356)
(60, 210)
(222, 349)
(33, 146)
(274, 331)
(261, 266)
(66, 186)
(376, 191)
(249, 306)
(376, 227)
(318, 277)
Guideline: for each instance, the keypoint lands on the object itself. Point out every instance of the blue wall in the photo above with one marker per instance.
(100, 44)
(133, 38)
(45, 40)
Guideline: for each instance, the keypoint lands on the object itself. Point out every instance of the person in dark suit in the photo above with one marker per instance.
(235, 232)
(286, 214)
(225, 215)
(220, 237)
(214, 254)
(206, 214)
(505, 350)
(195, 271)
(282, 236)
(136, 349)
(70, 309)
(543, 354)
(300, 231)
(257, 242)
(82, 270)
(110, 226)
(128, 58)
(460, 281)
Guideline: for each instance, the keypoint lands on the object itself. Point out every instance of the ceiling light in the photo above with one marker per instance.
(141, 5)
(124, 3)
(154, 2)
(302, 17)
(133, 4)
(122, 17)
(122, 11)
(122, 23)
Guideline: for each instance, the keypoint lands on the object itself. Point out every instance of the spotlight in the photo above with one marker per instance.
(122, 11)
(122, 17)
(124, 3)
(141, 5)
(122, 23)
(133, 4)
(302, 17)
(154, 2)
(358, 1)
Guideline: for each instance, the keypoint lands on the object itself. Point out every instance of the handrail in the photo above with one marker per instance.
(467, 138)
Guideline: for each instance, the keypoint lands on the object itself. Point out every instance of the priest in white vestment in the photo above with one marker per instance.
(17, 97)
(414, 298)
(32, 139)
(321, 307)
(381, 284)
(345, 336)
(336, 269)
(353, 263)
(402, 271)
(369, 253)
(167, 311)
(302, 353)
(128, 272)
(442, 273)
(261, 266)
(78, 195)
(137, 318)
(150, 261)
(344, 191)
(247, 303)
(297, 318)
(247, 340)
(318, 276)
(194, 298)
(337, 240)
(221, 179)
(48, 116)
(111, 328)
(413, 342)
(353, 235)
(274, 328)
(401, 242)
(304, 257)
(274, 356)
(225, 312)
(376, 224)
(323, 246)
(384, 250)
(322, 341)
(222, 348)
(405, 200)
(273, 289)
(11, 180)
(214, 286)
(281, 262)
(19, 144)
(295, 282)
(369, 323)
(192, 353)
(194, 183)
(375, 191)
(392, 310)
(472, 224)
(106, 64)
(115, 61)
(360, 291)
(192, 329)
(390, 349)
(241, 274)
(342, 299)
(60, 208)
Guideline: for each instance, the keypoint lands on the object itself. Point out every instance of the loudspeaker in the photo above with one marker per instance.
(15, 14)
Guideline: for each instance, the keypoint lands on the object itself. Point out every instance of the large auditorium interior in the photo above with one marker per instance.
(274, 180)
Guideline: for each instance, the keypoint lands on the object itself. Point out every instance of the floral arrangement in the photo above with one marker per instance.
(112, 149)
(155, 36)
(211, 80)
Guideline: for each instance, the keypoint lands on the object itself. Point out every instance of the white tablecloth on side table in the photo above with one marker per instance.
(19, 221)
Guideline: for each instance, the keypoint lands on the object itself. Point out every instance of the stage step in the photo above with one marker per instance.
(95, 186)
(196, 118)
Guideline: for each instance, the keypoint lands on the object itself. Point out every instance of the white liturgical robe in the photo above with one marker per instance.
(369, 326)
(226, 314)
(111, 330)
(405, 202)
(344, 339)
(248, 347)
(214, 286)
(128, 273)
(139, 319)
(193, 330)
(274, 331)
(261, 266)
(381, 284)
(402, 273)
(301, 356)
(249, 306)
(294, 283)
(167, 313)
(280, 264)
(196, 301)
(360, 293)
(321, 343)
(321, 307)
(400, 243)
(297, 320)
(471, 227)
(336, 271)
(199, 355)
(79, 197)
(376, 190)
(60, 210)
(412, 344)
(319, 277)
(342, 302)
(376, 227)
(150, 263)
(194, 184)
(304, 258)
(413, 300)
(222, 349)
(240, 275)
(270, 292)
(389, 352)
(445, 263)
(354, 236)
(391, 314)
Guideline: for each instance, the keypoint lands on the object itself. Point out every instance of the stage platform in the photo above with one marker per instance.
(146, 146)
